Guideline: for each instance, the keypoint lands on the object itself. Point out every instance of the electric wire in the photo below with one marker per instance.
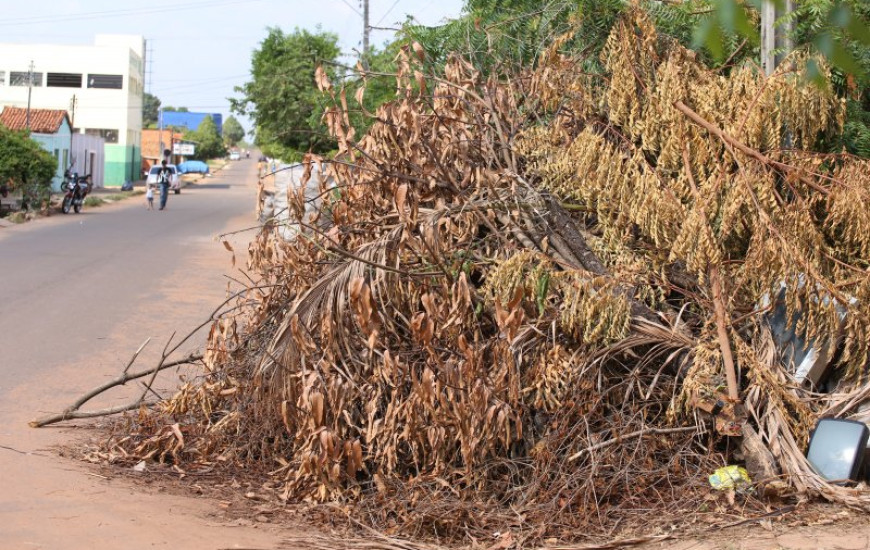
(387, 12)
(42, 19)
(348, 4)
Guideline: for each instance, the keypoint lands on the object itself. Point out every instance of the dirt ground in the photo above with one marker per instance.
(52, 500)
(49, 501)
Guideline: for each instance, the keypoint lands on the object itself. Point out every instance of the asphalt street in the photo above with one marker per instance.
(69, 281)
(78, 294)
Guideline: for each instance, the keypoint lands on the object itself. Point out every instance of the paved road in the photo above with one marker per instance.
(78, 294)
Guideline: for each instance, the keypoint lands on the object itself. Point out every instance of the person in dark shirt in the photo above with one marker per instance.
(164, 178)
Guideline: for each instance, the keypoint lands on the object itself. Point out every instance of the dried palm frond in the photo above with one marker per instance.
(518, 301)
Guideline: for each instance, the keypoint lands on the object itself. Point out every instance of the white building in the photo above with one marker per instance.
(101, 86)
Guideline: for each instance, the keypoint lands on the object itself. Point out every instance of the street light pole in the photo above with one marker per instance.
(29, 90)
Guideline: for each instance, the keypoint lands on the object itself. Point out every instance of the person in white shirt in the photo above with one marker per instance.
(149, 196)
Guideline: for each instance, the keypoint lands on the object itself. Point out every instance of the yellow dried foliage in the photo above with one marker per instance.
(513, 305)
(593, 310)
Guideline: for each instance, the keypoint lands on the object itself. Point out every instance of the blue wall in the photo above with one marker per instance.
(191, 121)
(59, 143)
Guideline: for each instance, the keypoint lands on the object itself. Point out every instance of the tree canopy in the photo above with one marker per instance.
(208, 141)
(233, 131)
(150, 110)
(25, 165)
(281, 97)
(724, 33)
(286, 107)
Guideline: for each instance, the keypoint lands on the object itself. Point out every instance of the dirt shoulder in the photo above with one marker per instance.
(50, 500)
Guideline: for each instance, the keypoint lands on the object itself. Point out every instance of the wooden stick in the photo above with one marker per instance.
(757, 155)
(73, 411)
(716, 287)
(636, 433)
(72, 415)
(612, 545)
(722, 333)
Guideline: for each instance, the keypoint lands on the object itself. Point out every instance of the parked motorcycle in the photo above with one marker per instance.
(77, 188)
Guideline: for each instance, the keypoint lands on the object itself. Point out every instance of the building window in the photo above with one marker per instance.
(2, 78)
(20, 78)
(110, 81)
(135, 86)
(63, 80)
(111, 136)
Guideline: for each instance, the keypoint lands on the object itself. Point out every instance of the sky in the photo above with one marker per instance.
(200, 49)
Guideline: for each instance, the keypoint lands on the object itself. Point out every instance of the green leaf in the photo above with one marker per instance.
(542, 287)
(715, 42)
(745, 28)
(844, 60)
(858, 30)
(727, 11)
(840, 57)
(814, 74)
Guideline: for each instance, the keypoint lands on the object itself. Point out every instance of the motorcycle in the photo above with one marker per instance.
(77, 188)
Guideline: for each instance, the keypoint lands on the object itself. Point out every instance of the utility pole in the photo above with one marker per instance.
(776, 41)
(366, 30)
(72, 107)
(29, 90)
(73, 103)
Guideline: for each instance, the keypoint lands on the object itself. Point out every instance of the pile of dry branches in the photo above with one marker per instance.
(527, 290)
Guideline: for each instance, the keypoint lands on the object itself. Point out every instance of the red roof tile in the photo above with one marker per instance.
(42, 121)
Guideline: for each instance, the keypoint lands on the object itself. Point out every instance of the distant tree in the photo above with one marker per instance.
(25, 166)
(150, 110)
(233, 131)
(282, 98)
(208, 141)
(176, 109)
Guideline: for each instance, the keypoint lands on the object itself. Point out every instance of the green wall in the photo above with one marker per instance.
(122, 164)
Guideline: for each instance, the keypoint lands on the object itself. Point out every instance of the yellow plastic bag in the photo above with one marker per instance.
(730, 477)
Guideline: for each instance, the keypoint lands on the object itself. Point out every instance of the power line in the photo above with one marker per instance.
(200, 83)
(387, 13)
(84, 106)
(38, 20)
(348, 4)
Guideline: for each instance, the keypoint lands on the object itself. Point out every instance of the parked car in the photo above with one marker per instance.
(174, 181)
(234, 155)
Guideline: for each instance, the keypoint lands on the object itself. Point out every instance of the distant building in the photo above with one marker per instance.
(88, 156)
(155, 142)
(190, 121)
(50, 128)
(99, 86)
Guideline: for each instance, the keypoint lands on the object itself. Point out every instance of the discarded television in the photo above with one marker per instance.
(837, 449)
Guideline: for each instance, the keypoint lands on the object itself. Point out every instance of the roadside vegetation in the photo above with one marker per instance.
(532, 304)
(26, 169)
(501, 36)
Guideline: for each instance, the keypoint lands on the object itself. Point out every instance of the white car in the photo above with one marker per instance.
(174, 181)
(235, 155)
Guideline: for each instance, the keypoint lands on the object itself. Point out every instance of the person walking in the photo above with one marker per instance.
(149, 196)
(164, 176)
